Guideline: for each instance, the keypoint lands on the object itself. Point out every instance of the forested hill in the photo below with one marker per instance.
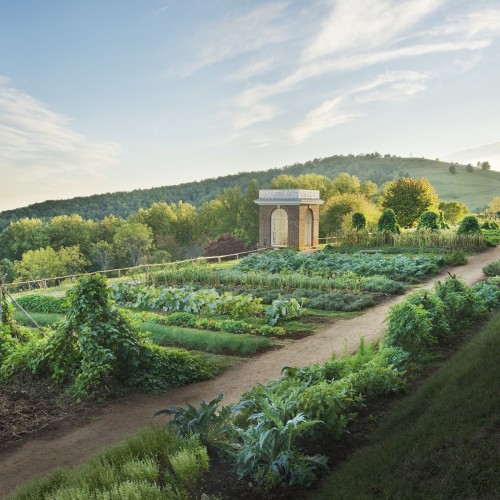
(474, 189)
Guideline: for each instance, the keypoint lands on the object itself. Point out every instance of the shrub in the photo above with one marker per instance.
(469, 225)
(492, 269)
(409, 327)
(46, 304)
(434, 307)
(456, 258)
(358, 221)
(387, 222)
(461, 304)
(225, 244)
(428, 220)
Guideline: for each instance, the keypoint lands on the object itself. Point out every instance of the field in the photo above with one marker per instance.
(266, 310)
(474, 189)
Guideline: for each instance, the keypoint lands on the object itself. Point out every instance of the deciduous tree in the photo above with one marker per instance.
(409, 198)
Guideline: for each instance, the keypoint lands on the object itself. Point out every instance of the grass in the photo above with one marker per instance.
(135, 468)
(207, 341)
(43, 319)
(440, 442)
(219, 362)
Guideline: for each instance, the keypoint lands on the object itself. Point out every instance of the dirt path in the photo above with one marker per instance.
(124, 417)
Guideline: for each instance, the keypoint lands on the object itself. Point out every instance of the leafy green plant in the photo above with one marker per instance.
(469, 225)
(434, 307)
(488, 293)
(456, 258)
(461, 304)
(211, 424)
(42, 303)
(387, 222)
(409, 327)
(267, 454)
(97, 345)
(428, 220)
(492, 269)
(283, 310)
(358, 221)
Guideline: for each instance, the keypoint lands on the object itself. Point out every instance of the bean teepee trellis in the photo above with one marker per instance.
(4, 291)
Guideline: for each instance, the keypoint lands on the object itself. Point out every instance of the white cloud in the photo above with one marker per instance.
(254, 30)
(382, 34)
(37, 144)
(366, 24)
(254, 68)
(389, 86)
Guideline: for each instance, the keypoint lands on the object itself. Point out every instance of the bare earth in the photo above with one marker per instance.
(122, 418)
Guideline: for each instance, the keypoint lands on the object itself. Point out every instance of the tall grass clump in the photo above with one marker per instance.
(154, 464)
(215, 342)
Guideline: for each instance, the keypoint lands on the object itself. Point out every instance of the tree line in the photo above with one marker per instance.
(33, 248)
(371, 166)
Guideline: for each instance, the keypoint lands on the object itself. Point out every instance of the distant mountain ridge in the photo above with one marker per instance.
(474, 189)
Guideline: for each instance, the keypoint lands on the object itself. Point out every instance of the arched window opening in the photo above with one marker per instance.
(308, 228)
(279, 228)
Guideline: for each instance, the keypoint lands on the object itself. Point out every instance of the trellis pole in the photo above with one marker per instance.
(4, 290)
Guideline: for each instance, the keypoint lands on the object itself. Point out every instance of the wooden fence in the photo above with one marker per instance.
(44, 283)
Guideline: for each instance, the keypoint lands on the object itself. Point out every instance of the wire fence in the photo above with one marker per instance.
(143, 269)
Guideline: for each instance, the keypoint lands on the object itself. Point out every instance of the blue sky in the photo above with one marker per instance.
(106, 95)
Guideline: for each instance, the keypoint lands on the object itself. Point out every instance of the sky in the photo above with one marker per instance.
(113, 95)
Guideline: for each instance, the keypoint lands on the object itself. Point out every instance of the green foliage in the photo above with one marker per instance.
(48, 263)
(283, 310)
(426, 317)
(409, 198)
(7, 270)
(492, 269)
(387, 222)
(358, 221)
(190, 463)
(428, 220)
(333, 264)
(453, 211)
(439, 442)
(409, 327)
(97, 345)
(187, 300)
(154, 464)
(435, 310)
(469, 225)
(337, 212)
(267, 454)
(487, 293)
(209, 423)
(39, 303)
(225, 325)
(462, 306)
(456, 258)
(216, 342)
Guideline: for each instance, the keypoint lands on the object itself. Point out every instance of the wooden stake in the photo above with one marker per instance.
(20, 307)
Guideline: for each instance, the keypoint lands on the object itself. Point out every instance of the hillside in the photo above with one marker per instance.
(440, 442)
(474, 189)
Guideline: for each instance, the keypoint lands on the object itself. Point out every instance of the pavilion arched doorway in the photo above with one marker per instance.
(279, 228)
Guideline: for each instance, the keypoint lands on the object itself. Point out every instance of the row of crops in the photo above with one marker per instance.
(276, 434)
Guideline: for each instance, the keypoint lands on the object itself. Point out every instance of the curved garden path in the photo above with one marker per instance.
(119, 419)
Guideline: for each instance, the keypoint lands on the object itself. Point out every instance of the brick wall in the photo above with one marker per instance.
(296, 224)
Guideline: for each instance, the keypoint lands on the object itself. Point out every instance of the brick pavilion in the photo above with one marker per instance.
(289, 218)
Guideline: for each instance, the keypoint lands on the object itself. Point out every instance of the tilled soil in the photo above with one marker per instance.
(71, 445)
